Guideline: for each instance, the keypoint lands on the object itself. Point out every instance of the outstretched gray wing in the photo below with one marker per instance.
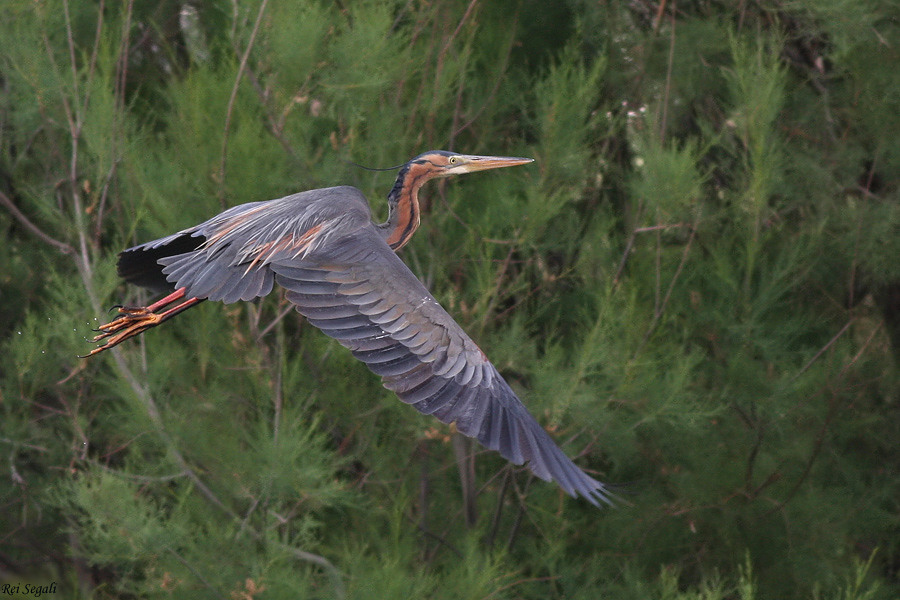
(360, 293)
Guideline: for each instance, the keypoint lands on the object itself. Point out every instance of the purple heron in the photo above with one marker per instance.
(341, 272)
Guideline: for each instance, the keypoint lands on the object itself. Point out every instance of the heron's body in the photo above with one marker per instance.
(341, 272)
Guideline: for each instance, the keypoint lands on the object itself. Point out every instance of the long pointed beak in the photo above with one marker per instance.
(470, 163)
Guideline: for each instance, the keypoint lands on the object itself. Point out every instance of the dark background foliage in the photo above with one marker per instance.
(695, 287)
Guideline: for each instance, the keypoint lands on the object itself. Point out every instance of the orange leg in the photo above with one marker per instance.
(135, 320)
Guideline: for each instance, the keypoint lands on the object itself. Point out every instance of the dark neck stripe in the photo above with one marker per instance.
(403, 219)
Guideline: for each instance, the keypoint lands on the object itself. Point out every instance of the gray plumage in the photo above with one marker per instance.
(337, 268)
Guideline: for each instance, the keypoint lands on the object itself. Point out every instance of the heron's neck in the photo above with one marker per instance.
(403, 206)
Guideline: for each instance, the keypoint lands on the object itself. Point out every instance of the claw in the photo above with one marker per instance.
(91, 353)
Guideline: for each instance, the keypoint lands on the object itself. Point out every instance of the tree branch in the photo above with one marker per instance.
(27, 224)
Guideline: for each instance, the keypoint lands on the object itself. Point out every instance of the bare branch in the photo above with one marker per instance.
(234, 89)
(824, 348)
(657, 314)
(27, 224)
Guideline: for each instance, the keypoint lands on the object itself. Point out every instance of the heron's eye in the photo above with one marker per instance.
(453, 160)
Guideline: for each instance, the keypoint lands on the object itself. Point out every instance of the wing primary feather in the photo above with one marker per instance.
(464, 377)
(405, 334)
(429, 406)
(358, 288)
(420, 338)
(434, 386)
(386, 318)
(297, 273)
(537, 464)
(381, 307)
(398, 325)
(362, 332)
(450, 366)
(401, 384)
(559, 469)
(447, 412)
(204, 281)
(329, 323)
(312, 288)
(479, 418)
(513, 450)
(303, 301)
(398, 366)
(381, 355)
(498, 422)
(336, 311)
(229, 287)
(369, 344)
(372, 297)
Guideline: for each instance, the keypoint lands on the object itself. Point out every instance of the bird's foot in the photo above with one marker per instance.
(135, 320)
(132, 321)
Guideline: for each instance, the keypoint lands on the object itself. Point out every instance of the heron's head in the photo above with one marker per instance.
(440, 163)
(403, 201)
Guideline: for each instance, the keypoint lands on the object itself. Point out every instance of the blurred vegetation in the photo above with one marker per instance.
(696, 288)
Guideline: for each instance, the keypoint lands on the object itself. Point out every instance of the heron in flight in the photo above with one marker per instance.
(341, 272)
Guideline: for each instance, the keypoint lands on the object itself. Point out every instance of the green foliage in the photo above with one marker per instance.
(695, 288)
